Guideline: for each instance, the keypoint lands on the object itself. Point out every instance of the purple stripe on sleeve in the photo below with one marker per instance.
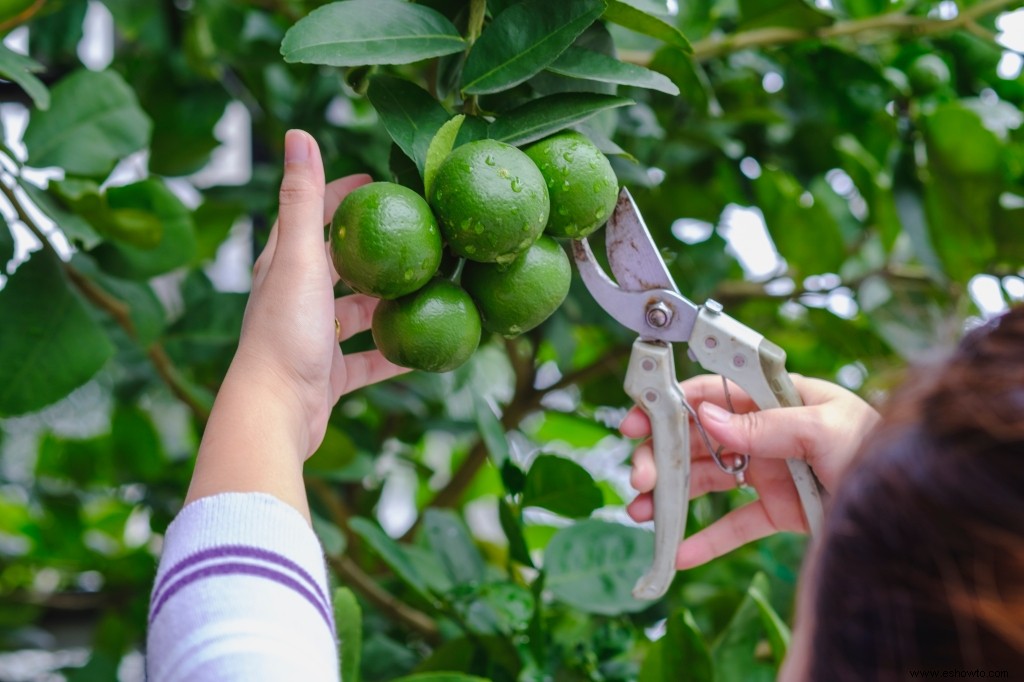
(235, 568)
(246, 551)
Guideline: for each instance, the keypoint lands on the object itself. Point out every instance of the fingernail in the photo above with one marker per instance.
(714, 413)
(296, 146)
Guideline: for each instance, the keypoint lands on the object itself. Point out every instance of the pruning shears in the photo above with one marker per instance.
(645, 299)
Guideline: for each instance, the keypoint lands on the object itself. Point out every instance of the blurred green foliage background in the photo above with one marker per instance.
(845, 176)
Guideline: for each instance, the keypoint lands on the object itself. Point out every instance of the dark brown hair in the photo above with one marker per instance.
(921, 565)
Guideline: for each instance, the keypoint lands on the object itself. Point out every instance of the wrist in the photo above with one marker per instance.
(253, 382)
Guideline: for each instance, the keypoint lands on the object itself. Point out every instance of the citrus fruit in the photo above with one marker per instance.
(927, 74)
(384, 240)
(581, 183)
(435, 329)
(491, 201)
(516, 298)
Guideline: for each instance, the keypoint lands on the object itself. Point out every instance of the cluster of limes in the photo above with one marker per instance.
(496, 206)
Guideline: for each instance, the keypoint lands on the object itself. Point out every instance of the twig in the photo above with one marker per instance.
(881, 25)
(356, 578)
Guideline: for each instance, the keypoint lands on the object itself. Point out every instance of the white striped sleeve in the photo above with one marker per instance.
(241, 594)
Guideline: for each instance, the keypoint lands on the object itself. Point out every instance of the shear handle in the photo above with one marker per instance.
(651, 383)
(725, 346)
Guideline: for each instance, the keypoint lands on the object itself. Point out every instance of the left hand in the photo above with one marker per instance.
(288, 341)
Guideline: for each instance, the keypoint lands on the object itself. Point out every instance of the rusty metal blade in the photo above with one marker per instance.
(632, 254)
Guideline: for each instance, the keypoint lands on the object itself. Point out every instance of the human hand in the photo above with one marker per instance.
(826, 432)
(289, 343)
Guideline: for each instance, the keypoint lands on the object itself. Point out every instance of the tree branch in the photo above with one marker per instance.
(881, 25)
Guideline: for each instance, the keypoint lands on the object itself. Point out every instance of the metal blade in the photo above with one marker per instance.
(632, 253)
(632, 309)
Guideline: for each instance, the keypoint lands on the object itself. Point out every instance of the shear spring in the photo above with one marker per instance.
(740, 461)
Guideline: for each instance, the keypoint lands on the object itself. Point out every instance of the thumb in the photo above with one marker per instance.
(772, 433)
(300, 218)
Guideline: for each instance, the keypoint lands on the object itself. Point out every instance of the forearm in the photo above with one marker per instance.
(255, 440)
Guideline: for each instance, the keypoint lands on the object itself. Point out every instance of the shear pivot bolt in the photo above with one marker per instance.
(739, 361)
(651, 396)
(658, 315)
(648, 365)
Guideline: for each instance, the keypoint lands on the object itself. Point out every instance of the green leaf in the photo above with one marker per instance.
(734, 652)
(19, 69)
(131, 226)
(513, 528)
(577, 62)
(779, 635)
(523, 40)
(392, 554)
(177, 244)
(360, 32)
(440, 147)
(76, 228)
(411, 116)
(577, 431)
(682, 648)
(348, 622)
(6, 245)
(94, 120)
(562, 486)
(806, 234)
(593, 566)
(336, 452)
(492, 432)
(441, 677)
(630, 17)
(450, 539)
(788, 13)
(547, 115)
(58, 345)
(500, 609)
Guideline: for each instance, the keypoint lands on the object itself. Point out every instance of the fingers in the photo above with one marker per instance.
(300, 218)
(740, 526)
(354, 313)
(337, 190)
(774, 433)
(705, 477)
(363, 369)
(706, 387)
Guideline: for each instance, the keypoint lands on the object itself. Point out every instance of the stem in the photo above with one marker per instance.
(116, 308)
(717, 46)
(477, 10)
(359, 580)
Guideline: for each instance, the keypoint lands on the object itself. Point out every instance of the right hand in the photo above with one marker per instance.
(826, 431)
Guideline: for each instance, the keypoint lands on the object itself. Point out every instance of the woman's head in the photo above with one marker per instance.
(921, 564)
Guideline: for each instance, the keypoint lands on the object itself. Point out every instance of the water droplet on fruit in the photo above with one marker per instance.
(526, 228)
(565, 184)
(479, 228)
(505, 258)
(503, 172)
(341, 232)
(598, 214)
(409, 274)
(438, 195)
(563, 211)
(567, 156)
(517, 185)
(525, 244)
(489, 160)
(515, 329)
(470, 249)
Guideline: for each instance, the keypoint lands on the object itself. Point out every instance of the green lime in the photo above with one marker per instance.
(581, 183)
(384, 240)
(491, 201)
(516, 298)
(435, 329)
(927, 74)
